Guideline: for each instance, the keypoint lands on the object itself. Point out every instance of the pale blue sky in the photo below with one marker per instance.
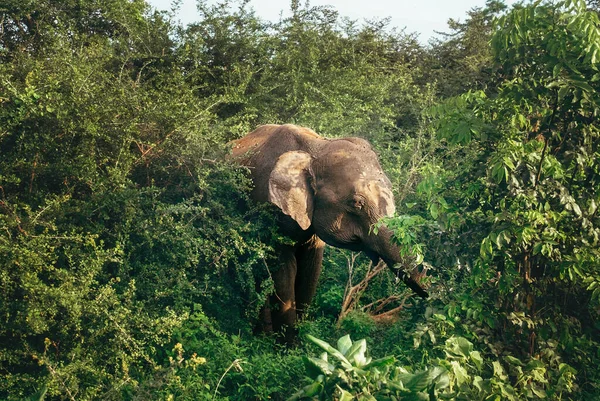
(421, 16)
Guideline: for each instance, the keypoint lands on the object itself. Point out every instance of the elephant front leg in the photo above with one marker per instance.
(265, 322)
(283, 313)
(309, 258)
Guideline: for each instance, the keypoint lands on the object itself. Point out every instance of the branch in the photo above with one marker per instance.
(352, 293)
(377, 315)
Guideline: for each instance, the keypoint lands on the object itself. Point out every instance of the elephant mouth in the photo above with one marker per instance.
(353, 243)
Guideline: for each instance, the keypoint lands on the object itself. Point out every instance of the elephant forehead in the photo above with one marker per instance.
(347, 165)
(362, 157)
(378, 193)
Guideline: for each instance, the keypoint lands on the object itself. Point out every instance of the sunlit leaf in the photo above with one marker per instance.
(344, 344)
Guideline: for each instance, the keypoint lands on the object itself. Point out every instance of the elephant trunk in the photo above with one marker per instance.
(390, 253)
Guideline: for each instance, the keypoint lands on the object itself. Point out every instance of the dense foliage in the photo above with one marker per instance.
(133, 264)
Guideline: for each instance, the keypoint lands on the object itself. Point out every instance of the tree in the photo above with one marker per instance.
(529, 193)
(461, 59)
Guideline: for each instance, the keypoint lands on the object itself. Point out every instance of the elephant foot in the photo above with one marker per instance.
(265, 321)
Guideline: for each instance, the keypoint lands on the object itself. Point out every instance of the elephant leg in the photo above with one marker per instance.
(265, 322)
(309, 257)
(284, 314)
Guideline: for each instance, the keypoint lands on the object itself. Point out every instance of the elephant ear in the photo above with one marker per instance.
(290, 187)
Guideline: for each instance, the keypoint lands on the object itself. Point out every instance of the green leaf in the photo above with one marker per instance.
(357, 351)
(534, 364)
(440, 377)
(556, 70)
(507, 160)
(507, 391)
(388, 360)
(562, 92)
(459, 346)
(513, 361)
(460, 373)
(312, 389)
(417, 396)
(345, 395)
(431, 336)
(317, 366)
(538, 391)
(344, 344)
(582, 85)
(417, 381)
(331, 350)
(477, 359)
(434, 210)
(486, 248)
(499, 370)
(576, 209)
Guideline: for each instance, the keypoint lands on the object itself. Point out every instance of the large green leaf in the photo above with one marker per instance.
(345, 395)
(357, 351)
(331, 350)
(388, 360)
(344, 344)
(417, 381)
(459, 346)
(317, 366)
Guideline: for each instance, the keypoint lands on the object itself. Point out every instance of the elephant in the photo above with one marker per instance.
(326, 191)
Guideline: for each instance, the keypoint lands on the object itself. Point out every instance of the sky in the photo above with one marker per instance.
(424, 17)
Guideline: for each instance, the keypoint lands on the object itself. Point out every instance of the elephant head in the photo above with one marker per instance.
(339, 191)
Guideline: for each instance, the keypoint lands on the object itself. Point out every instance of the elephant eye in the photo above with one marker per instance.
(358, 202)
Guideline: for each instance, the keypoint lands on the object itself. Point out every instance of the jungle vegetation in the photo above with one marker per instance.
(133, 265)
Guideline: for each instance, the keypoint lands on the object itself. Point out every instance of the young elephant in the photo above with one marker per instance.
(328, 191)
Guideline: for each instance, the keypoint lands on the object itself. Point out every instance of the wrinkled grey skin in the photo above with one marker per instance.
(328, 191)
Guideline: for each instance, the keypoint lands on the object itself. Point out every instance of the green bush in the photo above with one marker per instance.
(346, 372)
(358, 324)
